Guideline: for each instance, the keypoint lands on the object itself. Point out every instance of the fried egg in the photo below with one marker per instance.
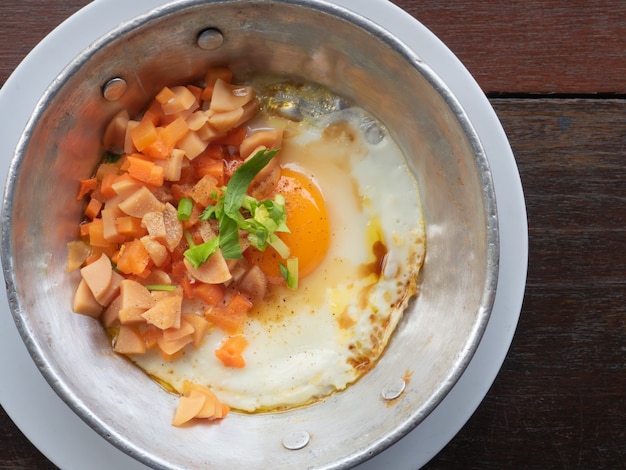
(357, 230)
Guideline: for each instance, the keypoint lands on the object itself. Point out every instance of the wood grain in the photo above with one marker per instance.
(560, 398)
(559, 401)
(533, 46)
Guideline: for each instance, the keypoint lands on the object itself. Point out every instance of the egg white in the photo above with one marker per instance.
(316, 340)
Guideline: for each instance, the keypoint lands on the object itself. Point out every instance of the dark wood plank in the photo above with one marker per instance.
(560, 398)
(534, 46)
(537, 46)
(24, 23)
(16, 452)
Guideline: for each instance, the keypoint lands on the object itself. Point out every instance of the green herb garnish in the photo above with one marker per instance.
(198, 254)
(160, 287)
(185, 206)
(235, 210)
(289, 272)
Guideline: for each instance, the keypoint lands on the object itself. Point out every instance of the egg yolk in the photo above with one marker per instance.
(307, 219)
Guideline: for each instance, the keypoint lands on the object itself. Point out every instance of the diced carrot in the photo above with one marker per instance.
(106, 188)
(203, 190)
(187, 286)
(145, 273)
(130, 226)
(174, 131)
(205, 164)
(144, 170)
(231, 352)
(225, 319)
(134, 258)
(154, 113)
(96, 234)
(233, 137)
(180, 191)
(165, 95)
(215, 152)
(239, 303)
(143, 134)
(86, 186)
(93, 208)
(178, 270)
(210, 294)
(157, 150)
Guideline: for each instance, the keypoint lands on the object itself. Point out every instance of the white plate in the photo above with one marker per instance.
(70, 444)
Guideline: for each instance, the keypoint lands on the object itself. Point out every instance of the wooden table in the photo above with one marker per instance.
(555, 72)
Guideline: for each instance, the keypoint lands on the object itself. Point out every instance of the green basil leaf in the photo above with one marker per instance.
(241, 179)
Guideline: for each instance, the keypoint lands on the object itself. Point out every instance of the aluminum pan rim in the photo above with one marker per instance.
(51, 373)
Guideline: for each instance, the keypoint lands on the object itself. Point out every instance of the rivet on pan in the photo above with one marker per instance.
(394, 389)
(114, 89)
(210, 38)
(296, 440)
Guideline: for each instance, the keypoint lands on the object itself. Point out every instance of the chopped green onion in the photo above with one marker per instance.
(229, 238)
(161, 287)
(280, 246)
(290, 272)
(198, 254)
(185, 206)
(235, 210)
(241, 179)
